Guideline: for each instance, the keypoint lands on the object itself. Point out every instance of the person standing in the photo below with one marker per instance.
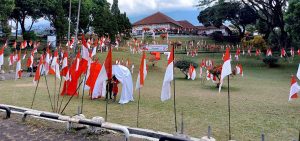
(115, 87)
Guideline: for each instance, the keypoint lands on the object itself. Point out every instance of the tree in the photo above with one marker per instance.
(292, 18)
(234, 12)
(6, 7)
(184, 66)
(54, 11)
(26, 9)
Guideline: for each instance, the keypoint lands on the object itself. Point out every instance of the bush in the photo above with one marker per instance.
(29, 36)
(259, 43)
(271, 61)
(184, 66)
(217, 36)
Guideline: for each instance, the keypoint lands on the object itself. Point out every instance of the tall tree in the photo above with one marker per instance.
(25, 9)
(6, 7)
(234, 12)
(292, 19)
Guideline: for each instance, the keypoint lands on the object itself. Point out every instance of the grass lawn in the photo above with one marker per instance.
(259, 101)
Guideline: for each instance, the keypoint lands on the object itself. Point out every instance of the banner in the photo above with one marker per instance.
(156, 48)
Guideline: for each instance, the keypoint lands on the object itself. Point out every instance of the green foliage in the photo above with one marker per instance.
(235, 12)
(184, 66)
(6, 7)
(217, 36)
(259, 42)
(29, 36)
(271, 61)
(292, 18)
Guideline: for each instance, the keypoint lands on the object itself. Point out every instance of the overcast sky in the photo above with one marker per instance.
(176, 9)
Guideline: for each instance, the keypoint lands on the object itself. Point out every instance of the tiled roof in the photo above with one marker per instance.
(186, 24)
(156, 18)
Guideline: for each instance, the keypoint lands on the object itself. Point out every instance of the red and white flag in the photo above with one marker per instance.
(39, 70)
(292, 52)
(192, 73)
(23, 44)
(18, 66)
(11, 59)
(269, 52)
(47, 61)
(104, 74)
(282, 53)
(237, 54)
(1, 57)
(91, 80)
(294, 89)
(239, 69)
(226, 68)
(55, 64)
(30, 61)
(166, 87)
(142, 74)
(298, 51)
(15, 44)
(249, 51)
(70, 43)
(65, 68)
(298, 72)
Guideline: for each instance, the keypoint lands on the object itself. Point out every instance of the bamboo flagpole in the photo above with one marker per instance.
(49, 92)
(138, 110)
(84, 81)
(174, 91)
(37, 85)
(76, 33)
(229, 125)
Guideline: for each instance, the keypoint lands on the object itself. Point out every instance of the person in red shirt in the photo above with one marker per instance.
(115, 87)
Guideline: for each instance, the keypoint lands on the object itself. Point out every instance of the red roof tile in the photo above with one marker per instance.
(186, 24)
(156, 18)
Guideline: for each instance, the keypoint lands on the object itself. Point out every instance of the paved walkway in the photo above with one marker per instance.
(35, 130)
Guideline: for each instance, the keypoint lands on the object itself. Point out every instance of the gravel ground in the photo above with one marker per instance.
(13, 129)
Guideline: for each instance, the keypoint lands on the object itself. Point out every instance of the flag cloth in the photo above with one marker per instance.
(269, 52)
(47, 61)
(11, 60)
(38, 70)
(104, 75)
(282, 53)
(298, 72)
(226, 67)
(64, 68)
(1, 57)
(294, 89)
(239, 69)
(70, 85)
(166, 87)
(143, 72)
(30, 61)
(18, 66)
(55, 65)
(91, 80)
(192, 73)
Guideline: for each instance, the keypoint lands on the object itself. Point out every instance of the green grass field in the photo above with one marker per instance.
(259, 101)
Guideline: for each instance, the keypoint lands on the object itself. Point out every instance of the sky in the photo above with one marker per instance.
(139, 9)
(176, 9)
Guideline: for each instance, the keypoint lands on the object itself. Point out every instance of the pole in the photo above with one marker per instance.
(138, 111)
(58, 94)
(71, 97)
(76, 33)
(83, 93)
(69, 28)
(175, 116)
(106, 98)
(17, 26)
(48, 93)
(37, 85)
(229, 129)
(54, 90)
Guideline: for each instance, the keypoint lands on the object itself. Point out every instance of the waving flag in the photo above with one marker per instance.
(192, 73)
(91, 80)
(38, 70)
(14, 44)
(18, 67)
(142, 74)
(65, 69)
(47, 61)
(11, 59)
(226, 68)
(237, 54)
(55, 65)
(166, 87)
(298, 72)
(298, 51)
(104, 74)
(292, 52)
(269, 52)
(294, 89)
(70, 43)
(1, 57)
(239, 70)
(282, 53)
(249, 51)
(30, 61)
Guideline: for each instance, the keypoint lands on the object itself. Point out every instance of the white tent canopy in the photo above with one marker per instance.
(123, 74)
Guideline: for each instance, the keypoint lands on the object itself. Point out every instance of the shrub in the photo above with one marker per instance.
(271, 61)
(29, 36)
(217, 36)
(184, 66)
(259, 43)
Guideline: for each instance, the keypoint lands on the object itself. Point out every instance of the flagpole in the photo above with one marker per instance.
(229, 127)
(83, 92)
(54, 89)
(37, 85)
(69, 28)
(48, 92)
(106, 98)
(138, 111)
(76, 33)
(175, 115)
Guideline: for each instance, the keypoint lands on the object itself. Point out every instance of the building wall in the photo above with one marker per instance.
(210, 31)
(137, 30)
